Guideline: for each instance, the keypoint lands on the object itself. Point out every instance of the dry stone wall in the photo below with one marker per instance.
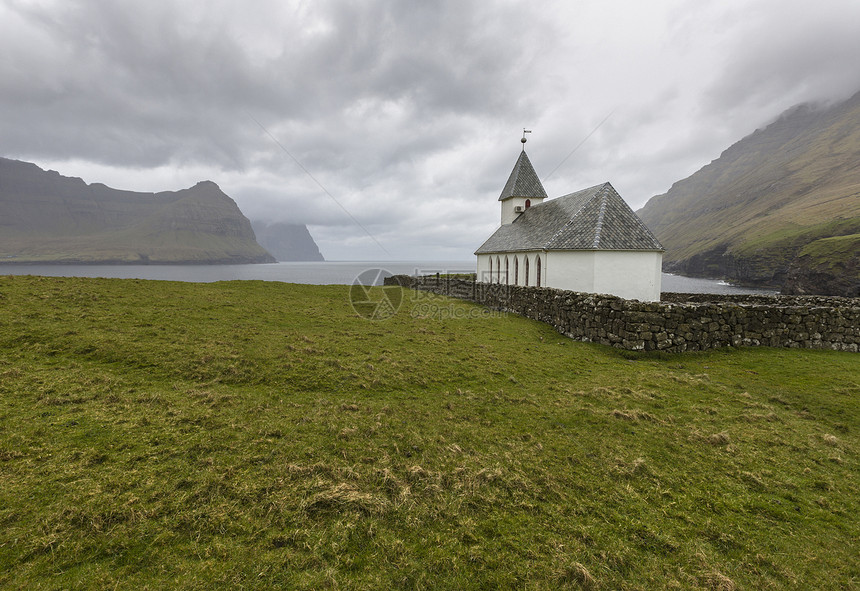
(680, 322)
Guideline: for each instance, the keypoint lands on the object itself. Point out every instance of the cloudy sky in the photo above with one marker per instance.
(390, 127)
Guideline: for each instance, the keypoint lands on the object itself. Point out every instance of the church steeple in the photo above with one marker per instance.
(522, 190)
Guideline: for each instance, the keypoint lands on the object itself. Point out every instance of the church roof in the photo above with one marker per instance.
(596, 218)
(523, 182)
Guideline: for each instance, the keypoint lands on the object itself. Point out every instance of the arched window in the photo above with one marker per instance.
(527, 269)
(498, 270)
(507, 278)
(491, 269)
(537, 269)
(516, 271)
(528, 203)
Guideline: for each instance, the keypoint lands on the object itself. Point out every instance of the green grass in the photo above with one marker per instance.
(262, 435)
(833, 254)
(794, 238)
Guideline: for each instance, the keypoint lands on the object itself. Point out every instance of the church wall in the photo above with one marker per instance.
(483, 267)
(628, 274)
(571, 270)
(683, 322)
(532, 272)
(498, 262)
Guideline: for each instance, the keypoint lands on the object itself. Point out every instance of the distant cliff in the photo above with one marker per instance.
(46, 217)
(780, 208)
(287, 242)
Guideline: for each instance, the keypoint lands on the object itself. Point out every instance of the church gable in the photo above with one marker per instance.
(605, 222)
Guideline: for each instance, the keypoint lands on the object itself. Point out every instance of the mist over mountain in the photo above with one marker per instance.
(46, 217)
(287, 242)
(780, 208)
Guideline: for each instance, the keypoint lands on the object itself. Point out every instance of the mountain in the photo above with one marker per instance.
(780, 208)
(46, 217)
(287, 242)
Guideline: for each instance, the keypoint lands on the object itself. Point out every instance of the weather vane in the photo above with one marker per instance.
(524, 140)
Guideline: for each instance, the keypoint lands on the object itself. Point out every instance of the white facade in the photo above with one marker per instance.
(633, 275)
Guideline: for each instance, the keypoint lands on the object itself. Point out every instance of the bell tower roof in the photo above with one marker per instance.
(524, 181)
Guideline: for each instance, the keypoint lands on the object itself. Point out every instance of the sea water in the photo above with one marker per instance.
(320, 273)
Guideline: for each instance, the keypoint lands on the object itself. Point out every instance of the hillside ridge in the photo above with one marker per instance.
(46, 217)
(286, 241)
(779, 208)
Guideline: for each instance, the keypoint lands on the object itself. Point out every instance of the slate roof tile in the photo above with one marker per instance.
(523, 181)
(596, 218)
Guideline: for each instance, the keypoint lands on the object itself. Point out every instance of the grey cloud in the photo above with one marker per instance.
(791, 51)
(407, 113)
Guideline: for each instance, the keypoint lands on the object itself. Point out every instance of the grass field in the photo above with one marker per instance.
(252, 435)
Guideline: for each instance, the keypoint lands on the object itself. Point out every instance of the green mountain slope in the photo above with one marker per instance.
(779, 208)
(46, 217)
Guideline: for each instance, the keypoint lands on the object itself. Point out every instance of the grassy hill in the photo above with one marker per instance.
(768, 210)
(263, 435)
(46, 217)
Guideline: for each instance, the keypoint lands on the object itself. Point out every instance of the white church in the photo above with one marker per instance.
(588, 241)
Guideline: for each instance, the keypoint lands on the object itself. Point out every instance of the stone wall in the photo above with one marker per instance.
(680, 322)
